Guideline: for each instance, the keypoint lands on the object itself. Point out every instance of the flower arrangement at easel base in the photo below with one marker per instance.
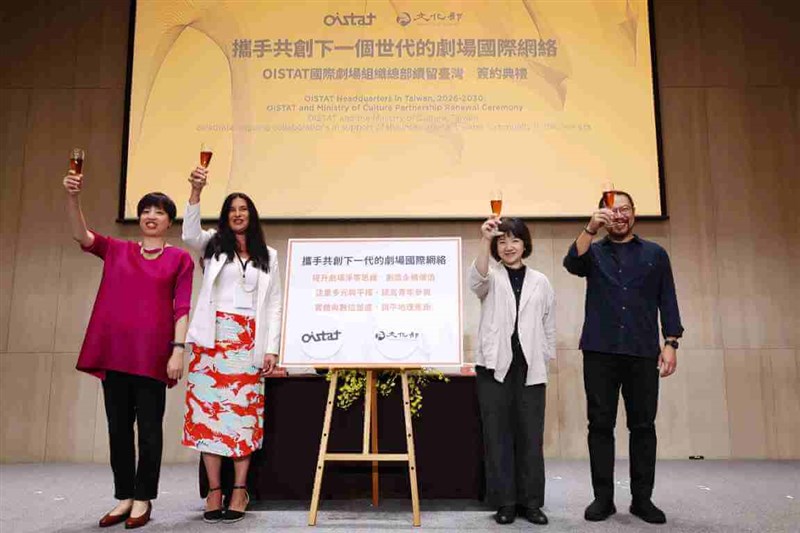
(353, 382)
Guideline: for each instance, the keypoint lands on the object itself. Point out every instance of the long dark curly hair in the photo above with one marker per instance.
(224, 241)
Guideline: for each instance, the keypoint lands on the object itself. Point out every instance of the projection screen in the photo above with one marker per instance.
(394, 109)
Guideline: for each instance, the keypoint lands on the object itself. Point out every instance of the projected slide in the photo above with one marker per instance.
(392, 108)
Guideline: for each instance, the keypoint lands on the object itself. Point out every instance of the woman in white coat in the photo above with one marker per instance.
(516, 338)
(235, 336)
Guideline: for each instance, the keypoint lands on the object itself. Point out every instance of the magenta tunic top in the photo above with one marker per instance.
(137, 305)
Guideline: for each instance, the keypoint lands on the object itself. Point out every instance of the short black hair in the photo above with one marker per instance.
(157, 199)
(517, 228)
(601, 203)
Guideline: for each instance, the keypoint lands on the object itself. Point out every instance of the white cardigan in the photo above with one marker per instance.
(202, 327)
(537, 326)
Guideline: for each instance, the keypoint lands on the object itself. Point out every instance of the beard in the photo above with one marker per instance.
(620, 231)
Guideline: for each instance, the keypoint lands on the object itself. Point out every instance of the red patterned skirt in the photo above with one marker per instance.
(225, 392)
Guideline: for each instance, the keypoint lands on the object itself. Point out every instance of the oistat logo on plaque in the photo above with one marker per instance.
(322, 340)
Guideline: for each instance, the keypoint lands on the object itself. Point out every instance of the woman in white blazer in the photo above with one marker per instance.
(235, 336)
(516, 339)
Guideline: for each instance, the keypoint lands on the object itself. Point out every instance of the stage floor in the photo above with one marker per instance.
(697, 496)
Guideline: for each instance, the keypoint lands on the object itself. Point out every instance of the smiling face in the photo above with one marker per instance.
(154, 221)
(238, 215)
(623, 220)
(510, 250)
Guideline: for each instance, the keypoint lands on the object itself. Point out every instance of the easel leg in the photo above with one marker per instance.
(375, 480)
(370, 428)
(412, 462)
(369, 392)
(323, 448)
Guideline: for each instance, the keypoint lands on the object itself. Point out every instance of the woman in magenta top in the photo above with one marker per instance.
(134, 342)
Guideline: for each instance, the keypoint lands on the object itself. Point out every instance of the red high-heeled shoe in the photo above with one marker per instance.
(109, 519)
(139, 521)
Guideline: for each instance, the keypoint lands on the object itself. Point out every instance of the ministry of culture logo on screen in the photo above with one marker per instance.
(443, 18)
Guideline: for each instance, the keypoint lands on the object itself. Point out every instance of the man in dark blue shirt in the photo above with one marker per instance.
(628, 283)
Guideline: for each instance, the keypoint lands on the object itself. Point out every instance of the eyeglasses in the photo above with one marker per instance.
(624, 210)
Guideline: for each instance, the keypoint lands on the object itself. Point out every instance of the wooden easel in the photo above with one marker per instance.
(370, 428)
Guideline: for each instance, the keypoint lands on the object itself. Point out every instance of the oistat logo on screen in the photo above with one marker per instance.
(349, 20)
(321, 336)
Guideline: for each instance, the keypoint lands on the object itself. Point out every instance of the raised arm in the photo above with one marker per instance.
(478, 275)
(192, 232)
(577, 261)
(73, 184)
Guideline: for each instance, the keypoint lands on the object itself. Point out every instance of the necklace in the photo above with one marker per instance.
(151, 254)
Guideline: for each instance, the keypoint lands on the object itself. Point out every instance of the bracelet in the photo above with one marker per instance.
(178, 344)
(586, 229)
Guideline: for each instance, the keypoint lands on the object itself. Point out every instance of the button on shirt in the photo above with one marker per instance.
(627, 285)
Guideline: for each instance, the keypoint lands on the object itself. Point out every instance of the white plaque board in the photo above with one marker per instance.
(387, 303)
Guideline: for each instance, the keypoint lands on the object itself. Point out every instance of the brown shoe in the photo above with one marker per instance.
(139, 521)
(113, 519)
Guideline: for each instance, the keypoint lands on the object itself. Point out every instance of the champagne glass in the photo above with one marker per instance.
(608, 194)
(496, 202)
(76, 156)
(205, 154)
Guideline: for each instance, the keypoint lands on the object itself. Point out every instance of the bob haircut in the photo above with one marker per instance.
(516, 228)
(159, 200)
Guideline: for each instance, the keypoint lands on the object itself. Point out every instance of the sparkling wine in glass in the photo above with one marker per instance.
(496, 202)
(608, 194)
(76, 156)
(205, 154)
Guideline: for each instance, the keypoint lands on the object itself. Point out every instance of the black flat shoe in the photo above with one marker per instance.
(505, 514)
(232, 515)
(648, 512)
(215, 515)
(534, 516)
(599, 510)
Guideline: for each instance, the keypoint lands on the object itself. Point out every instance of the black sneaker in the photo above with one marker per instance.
(506, 514)
(599, 510)
(648, 512)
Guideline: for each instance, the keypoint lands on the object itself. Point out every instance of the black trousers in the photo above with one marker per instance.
(130, 398)
(603, 377)
(512, 416)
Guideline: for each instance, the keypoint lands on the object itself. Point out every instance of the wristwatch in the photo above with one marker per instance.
(672, 343)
